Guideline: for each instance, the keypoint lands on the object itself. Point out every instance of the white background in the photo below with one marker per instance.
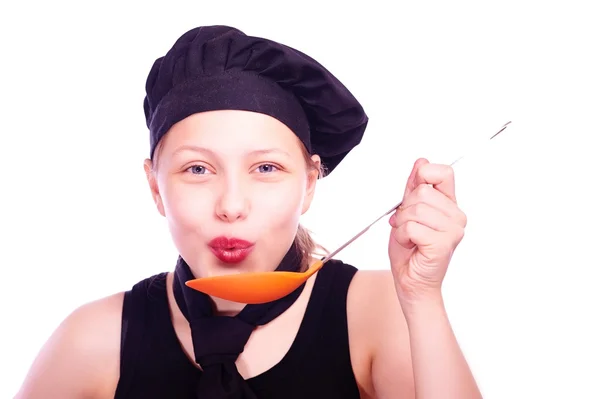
(78, 222)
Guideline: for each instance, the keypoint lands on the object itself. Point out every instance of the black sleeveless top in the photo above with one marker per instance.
(154, 365)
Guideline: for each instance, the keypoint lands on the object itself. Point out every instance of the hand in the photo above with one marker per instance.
(426, 230)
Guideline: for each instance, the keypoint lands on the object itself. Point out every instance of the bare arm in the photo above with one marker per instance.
(440, 369)
(81, 358)
(414, 355)
(426, 229)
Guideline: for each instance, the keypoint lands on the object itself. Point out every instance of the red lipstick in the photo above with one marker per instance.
(230, 250)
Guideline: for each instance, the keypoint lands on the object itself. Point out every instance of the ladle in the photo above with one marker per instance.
(262, 287)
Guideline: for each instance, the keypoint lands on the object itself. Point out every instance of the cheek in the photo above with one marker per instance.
(186, 207)
(279, 206)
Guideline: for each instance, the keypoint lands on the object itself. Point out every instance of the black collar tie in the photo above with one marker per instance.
(219, 340)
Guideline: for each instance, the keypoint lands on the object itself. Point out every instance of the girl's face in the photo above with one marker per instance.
(232, 186)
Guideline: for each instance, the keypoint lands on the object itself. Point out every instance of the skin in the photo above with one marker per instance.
(401, 342)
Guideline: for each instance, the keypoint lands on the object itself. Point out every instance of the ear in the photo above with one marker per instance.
(311, 183)
(152, 182)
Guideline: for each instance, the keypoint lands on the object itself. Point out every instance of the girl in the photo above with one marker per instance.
(241, 129)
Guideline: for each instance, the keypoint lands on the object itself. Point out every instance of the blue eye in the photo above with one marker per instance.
(197, 169)
(266, 168)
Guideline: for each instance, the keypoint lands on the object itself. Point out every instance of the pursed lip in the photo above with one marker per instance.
(230, 250)
(231, 243)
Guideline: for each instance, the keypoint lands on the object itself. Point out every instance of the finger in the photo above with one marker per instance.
(426, 215)
(431, 196)
(441, 177)
(411, 182)
(411, 234)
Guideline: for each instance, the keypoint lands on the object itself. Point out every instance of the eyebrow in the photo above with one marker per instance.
(195, 148)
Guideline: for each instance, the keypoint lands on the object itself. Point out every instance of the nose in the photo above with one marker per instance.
(232, 203)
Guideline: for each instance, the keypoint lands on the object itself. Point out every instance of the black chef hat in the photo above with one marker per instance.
(219, 67)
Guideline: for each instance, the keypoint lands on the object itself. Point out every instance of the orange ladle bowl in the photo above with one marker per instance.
(262, 287)
(253, 288)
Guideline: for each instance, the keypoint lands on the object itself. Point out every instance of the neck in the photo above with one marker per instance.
(223, 307)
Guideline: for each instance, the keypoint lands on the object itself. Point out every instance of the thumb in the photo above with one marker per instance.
(412, 180)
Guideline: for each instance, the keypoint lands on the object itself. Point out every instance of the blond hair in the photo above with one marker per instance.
(307, 246)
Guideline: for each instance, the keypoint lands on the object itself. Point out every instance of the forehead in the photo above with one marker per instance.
(233, 129)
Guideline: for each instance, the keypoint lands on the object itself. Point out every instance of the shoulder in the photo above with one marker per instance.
(372, 295)
(378, 334)
(81, 357)
(373, 302)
